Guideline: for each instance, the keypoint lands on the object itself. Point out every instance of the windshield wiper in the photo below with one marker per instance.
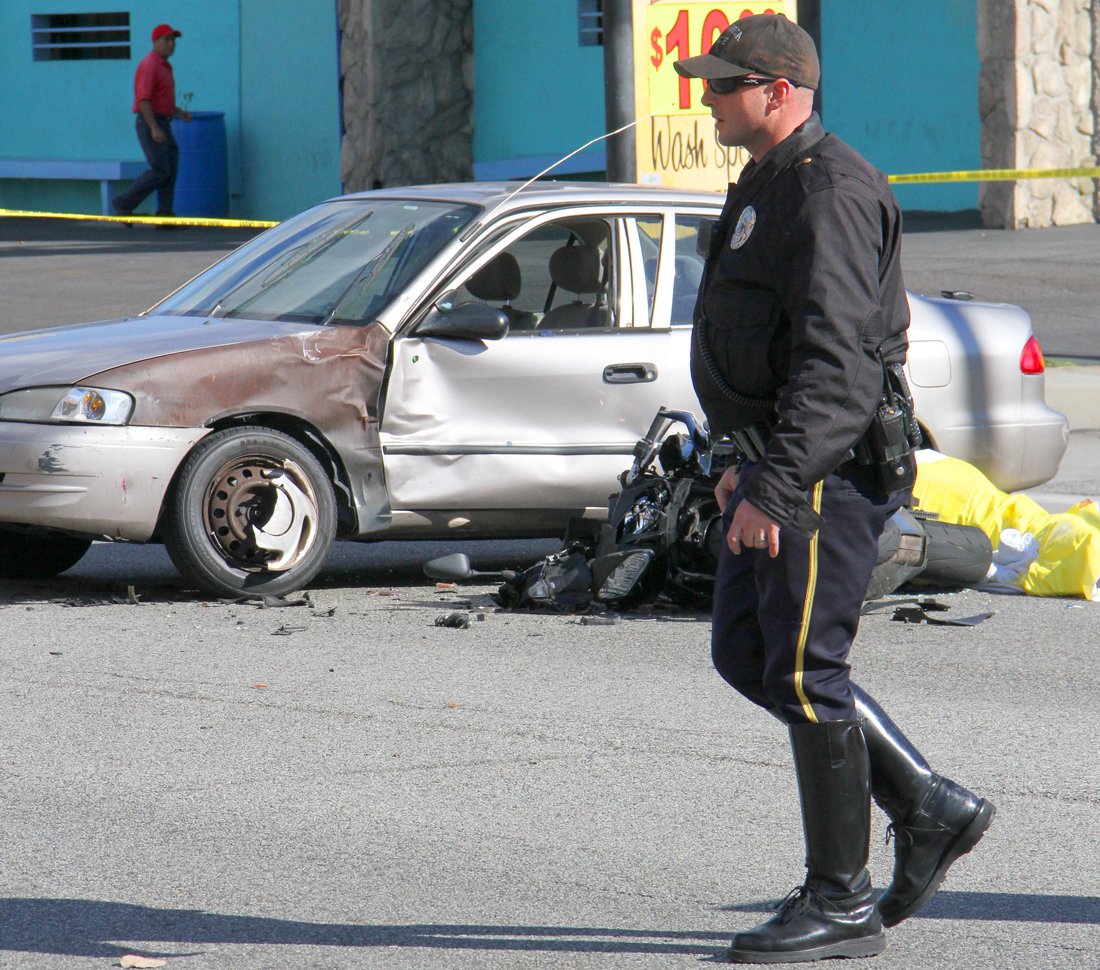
(298, 256)
(370, 270)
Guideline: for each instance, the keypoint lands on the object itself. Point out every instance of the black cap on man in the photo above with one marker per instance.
(766, 44)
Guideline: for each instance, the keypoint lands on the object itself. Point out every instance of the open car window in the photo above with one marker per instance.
(563, 276)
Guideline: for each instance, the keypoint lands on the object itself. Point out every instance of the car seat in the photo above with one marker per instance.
(499, 279)
(576, 269)
(685, 288)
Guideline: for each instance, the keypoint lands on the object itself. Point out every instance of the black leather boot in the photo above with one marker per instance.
(833, 914)
(933, 820)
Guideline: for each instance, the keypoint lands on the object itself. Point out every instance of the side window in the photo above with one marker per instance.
(560, 276)
(688, 265)
(649, 238)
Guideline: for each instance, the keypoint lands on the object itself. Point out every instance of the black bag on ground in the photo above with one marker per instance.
(560, 583)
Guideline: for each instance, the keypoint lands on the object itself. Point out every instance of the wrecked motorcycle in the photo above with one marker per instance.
(664, 532)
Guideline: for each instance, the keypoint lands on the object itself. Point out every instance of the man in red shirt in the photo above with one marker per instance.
(155, 107)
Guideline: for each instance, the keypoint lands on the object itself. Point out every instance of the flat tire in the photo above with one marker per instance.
(252, 513)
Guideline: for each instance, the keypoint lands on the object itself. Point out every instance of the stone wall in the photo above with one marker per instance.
(1038, 95)
(1096, 102)
(406, 70)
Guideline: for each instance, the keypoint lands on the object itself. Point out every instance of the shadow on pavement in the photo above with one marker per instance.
(1000, 907)
(922, 220)
(67, 237)
(88, 927)
(104, 575)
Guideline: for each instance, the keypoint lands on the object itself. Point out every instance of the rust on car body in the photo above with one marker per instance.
(209, 386)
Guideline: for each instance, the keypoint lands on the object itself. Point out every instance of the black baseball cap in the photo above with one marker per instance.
(766, 43)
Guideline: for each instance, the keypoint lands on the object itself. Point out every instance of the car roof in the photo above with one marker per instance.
(552, 194)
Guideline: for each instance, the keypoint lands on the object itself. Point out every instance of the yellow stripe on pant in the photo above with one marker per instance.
(807, 612)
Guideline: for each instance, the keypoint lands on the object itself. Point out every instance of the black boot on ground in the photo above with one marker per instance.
(933, 820)
(833, 914)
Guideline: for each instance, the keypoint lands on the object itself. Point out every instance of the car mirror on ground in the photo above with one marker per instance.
(466, 321)
(453, 568)
(456, 568)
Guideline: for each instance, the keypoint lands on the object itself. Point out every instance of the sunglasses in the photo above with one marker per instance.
(727, 85)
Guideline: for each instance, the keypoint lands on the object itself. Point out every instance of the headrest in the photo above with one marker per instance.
(576, 269)
(498, 279)
(689, 271)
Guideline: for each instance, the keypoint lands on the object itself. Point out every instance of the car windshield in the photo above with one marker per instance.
(339, 262)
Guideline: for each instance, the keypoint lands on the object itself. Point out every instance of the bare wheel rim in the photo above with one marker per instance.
(261, 513)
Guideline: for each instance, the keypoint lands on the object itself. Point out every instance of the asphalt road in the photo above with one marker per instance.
(344, 784)
(1052, 273)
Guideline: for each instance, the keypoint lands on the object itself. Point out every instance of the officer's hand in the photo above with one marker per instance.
(725, 487)
(753, 529)
(185, 115)
(158, 134)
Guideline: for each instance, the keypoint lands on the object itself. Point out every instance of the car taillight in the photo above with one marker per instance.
(1031, 358)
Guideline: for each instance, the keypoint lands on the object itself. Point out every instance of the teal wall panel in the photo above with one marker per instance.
(290, 105)
(82, 109)
(900, 84)
(41, 195)
(282, 155)
(537, 93)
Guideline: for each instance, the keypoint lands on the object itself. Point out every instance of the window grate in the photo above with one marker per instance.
(80, 36)
(590, 22)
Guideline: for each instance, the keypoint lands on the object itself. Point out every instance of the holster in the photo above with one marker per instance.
(887, 444)
(752, 442)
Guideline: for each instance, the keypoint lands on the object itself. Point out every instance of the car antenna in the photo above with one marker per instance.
(577, 151)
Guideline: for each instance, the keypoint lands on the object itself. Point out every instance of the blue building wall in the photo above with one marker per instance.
(900, 84)
(290, 125)
(538, 94)
(270, 65)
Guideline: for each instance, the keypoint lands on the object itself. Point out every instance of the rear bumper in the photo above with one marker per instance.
(1012, 456)
(108, 482)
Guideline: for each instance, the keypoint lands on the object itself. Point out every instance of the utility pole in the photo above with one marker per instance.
(618, 70)
(809, 19)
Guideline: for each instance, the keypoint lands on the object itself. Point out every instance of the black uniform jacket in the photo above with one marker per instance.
(803, 287)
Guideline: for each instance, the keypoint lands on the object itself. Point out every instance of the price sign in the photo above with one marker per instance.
(675, 139)
(678, 30)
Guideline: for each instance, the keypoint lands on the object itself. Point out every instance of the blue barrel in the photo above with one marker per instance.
(202, 186)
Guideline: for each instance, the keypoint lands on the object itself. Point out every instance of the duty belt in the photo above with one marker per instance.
(752, 441)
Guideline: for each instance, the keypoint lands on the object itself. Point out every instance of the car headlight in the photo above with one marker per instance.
(67, 405)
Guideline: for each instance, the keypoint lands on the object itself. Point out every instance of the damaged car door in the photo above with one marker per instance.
(520, 433)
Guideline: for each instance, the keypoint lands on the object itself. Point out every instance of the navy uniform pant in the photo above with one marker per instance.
(783, 627)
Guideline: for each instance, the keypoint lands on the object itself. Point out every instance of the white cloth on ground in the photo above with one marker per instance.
(1015, 551)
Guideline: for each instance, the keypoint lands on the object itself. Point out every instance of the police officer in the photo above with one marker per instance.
(800, 330)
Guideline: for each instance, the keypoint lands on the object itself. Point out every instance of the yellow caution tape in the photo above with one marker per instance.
(976, 175)
(999, 175)
(144, 220)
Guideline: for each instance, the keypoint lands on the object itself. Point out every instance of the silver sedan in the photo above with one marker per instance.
(445, 361)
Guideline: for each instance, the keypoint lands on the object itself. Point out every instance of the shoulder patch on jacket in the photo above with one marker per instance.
(813, 173)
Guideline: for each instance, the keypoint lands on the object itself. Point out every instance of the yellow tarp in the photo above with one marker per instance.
(1069, 542)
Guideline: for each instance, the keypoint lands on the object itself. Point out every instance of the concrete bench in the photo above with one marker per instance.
(101, 170)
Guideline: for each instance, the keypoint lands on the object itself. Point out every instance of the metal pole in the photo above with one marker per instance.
(809, 19)
(618, 69)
